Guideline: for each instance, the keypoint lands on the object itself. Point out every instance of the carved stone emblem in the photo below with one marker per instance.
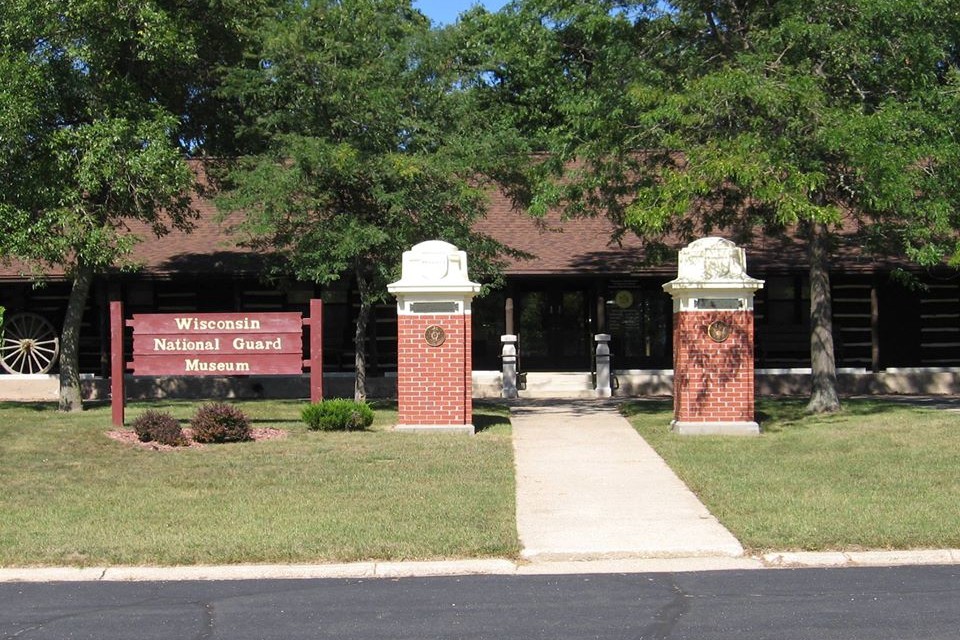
(719, 331)
(712, 259)
(430, 266)
(435, 335)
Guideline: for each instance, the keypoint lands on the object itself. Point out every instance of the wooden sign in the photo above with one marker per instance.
(197, 344)
(215, 344)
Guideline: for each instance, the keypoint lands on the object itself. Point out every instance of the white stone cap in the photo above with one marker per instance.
(714, 267)
(434, 266)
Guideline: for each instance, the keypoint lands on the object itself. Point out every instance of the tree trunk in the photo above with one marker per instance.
(823, 393)
(360, 338)
(70, 396)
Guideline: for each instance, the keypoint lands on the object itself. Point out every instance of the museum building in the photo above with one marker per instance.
(573, 283)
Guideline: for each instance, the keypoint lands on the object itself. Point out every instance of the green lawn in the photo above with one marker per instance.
(877, 476)
(69, 495)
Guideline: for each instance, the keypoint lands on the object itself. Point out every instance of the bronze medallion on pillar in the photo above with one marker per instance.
(719, 331)
(435, 335)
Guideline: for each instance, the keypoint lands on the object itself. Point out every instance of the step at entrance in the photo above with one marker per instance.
(550, 384)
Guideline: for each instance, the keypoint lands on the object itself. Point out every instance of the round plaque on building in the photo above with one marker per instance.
(719, 331)
(623, 299)
(435, 335)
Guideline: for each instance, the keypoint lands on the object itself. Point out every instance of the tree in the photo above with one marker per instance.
(360, 144)
(101, 100)
(762, 116)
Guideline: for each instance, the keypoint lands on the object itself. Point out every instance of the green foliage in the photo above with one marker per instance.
(100, 105)
(338, 415)
(159, 426)
(750, 117)
(555, 76)
(814, 126)
(359, 144)
(220, 422)
(90, 129)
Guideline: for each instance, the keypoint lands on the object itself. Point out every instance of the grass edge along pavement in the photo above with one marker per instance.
(71, 496)
(879, 475)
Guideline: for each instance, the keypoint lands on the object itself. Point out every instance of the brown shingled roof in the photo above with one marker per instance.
(587, 246)
(553, 247)
(209, 247)
(205, 249)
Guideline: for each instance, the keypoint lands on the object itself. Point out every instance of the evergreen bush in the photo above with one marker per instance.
(220, 422)
(159, 426)
(337, 415)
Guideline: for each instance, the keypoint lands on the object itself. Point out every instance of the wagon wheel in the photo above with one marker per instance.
(30, 344)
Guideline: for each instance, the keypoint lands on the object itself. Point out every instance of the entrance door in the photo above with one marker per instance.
(640, 321)
(554, 329)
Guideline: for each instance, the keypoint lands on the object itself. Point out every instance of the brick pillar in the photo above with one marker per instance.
(713, 385)
(434, 364)
(434, 383)
(713, 380)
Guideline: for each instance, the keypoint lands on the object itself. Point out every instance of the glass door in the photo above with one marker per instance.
(553, 329)
(640, 321)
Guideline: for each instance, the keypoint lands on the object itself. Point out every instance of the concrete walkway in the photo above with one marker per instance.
(589, 487)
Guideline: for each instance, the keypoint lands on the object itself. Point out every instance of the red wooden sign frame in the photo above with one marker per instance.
(198, 344)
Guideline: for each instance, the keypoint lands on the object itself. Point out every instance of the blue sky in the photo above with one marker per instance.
(446, 11)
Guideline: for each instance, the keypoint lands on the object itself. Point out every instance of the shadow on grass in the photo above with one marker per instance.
(645, 406)
(489, 414)
(777, 414)
(484, 421)
(261, 413)
(383, 405)
(172, 403)
(39, 407)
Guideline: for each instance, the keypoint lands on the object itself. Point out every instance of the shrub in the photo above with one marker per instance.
(159, 426)
(338, 415)
(220, 422)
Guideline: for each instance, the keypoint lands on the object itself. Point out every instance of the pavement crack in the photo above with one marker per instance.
(208, 622)
(21, 631)
(668, 617)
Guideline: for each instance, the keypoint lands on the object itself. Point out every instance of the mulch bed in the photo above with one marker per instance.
(129, 437)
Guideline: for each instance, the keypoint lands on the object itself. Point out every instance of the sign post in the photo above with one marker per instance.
(316, 350)
(118, 397)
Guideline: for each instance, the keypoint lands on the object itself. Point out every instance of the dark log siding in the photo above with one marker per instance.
(916, 325)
